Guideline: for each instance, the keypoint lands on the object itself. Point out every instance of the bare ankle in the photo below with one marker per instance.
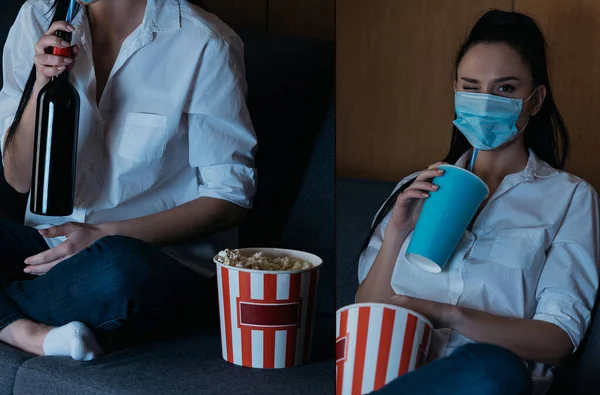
(26, 335)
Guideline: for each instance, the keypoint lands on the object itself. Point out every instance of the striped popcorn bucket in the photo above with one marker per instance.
(377, 343)
(267, 316)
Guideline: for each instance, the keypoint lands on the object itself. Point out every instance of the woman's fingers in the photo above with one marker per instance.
(429, 174)
(51, 60)
(423, 186)
(412, 194)
(51, 65)
(50, 40)
(47, 64)
(50, 72)
(47, 42)
(60, 25)
(436, 165)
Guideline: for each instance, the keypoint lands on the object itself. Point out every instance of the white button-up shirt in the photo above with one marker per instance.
(172, 124)
(532, 253)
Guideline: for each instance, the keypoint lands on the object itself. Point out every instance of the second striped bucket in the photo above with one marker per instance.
(377, 343)
(267, 317)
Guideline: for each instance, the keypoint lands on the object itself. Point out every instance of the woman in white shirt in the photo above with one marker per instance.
(523, 280)
(165, 171)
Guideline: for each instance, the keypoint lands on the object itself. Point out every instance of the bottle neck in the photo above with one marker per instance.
(65, 76)
(66, 52)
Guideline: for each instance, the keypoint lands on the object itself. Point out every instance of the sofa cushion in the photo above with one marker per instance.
(187, 365)
(311, 221)
(290, 95)
(357, 202)
(585, 372)
(10, 361)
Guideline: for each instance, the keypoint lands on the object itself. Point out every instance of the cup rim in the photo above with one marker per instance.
(316, 266)
(471, 173)
(386, 305)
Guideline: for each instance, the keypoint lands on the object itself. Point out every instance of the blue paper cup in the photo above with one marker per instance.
(445, 216)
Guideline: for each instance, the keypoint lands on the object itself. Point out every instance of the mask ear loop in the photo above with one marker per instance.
(525, 101)
(530, 96)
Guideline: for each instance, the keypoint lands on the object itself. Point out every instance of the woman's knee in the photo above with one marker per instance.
(121, 246)
(500, 371)
(124, 262)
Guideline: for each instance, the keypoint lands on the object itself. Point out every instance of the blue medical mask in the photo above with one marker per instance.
(487, 121)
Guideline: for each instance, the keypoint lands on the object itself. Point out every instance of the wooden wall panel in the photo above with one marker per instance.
(240, 13)
(307, 18)
(572, 28)
(312, 18)
(394, 81)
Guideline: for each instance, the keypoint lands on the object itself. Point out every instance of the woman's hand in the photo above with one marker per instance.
(48, 65)
(409, 203)
(79, 237)
(441, 315)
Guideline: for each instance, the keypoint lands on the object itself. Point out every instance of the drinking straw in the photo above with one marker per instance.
(70, 11)
(473, 157)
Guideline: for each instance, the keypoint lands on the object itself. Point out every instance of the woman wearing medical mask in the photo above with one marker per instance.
(516, 296)
(165, 170)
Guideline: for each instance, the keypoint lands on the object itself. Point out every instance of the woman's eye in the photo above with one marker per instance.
(506, 89)
(470, 88)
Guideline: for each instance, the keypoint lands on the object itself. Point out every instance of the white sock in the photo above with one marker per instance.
(72, 340)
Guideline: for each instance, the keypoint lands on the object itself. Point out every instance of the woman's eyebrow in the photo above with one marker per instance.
(502, 79)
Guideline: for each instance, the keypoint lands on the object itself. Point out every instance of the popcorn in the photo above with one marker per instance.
(260, 261)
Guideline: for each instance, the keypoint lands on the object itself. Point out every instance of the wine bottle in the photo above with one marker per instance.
(55, 145)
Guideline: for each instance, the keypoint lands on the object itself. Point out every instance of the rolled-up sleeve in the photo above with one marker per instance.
(222, 141)
(568, 284)
(17, 61)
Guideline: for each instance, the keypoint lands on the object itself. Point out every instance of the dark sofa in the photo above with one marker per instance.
(357, 202)
(291, 89)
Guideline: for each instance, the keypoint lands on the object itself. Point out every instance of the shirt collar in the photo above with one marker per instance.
(160, 16)
(536, 168)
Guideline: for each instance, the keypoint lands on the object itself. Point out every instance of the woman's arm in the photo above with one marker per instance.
(391, 233)
(17, 60)
(376, 286)
(18, 158)
(189, 221)
(530, 339)
(533, 340)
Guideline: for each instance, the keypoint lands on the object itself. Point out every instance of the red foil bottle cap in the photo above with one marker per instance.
(65, 36)
(66, 52)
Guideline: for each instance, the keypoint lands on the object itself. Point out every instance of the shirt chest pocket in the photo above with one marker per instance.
(517, 248)
(143, 138)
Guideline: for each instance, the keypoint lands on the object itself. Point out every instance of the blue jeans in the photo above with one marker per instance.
(473, 369)
(124, 289)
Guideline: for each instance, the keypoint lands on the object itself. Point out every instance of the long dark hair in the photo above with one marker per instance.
(546, 133)
(60, 9)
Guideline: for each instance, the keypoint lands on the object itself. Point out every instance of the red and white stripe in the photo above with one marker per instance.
(266, 319)
(375, 345)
